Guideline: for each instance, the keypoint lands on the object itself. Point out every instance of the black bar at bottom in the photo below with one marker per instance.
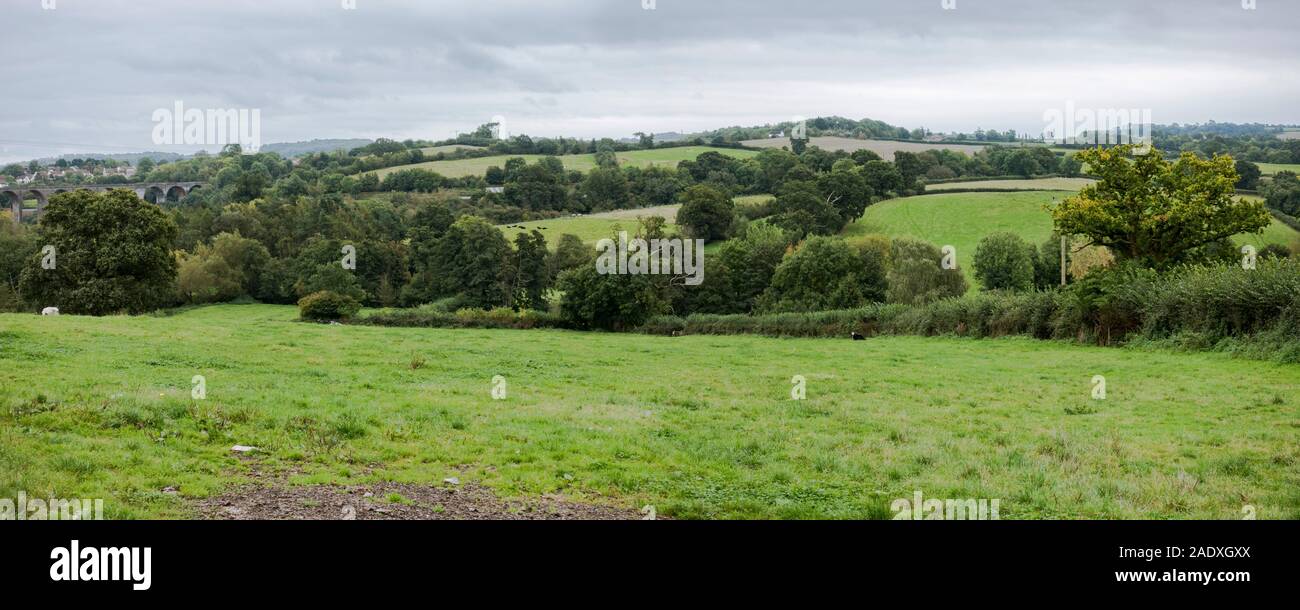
(321, 559)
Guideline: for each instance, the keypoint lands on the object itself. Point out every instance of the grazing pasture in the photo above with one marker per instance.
(1269, 169)
(697, 426)
(591, 227)
(668, 157)
(963, 219)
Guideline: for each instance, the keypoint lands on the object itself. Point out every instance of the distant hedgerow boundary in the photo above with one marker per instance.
(1253, 313)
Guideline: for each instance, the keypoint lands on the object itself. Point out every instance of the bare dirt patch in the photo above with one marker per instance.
(394, 501)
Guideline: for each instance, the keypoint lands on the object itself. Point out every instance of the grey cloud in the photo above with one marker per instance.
(87, 75)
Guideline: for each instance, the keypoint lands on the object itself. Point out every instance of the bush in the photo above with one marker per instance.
(332, 277)
(917, 277)
(205, 277)
(431, 316)
(327, 306)
(1219, 300)
(1004, 261)
(1275, 251)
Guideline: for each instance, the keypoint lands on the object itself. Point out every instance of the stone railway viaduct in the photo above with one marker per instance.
(157, 192)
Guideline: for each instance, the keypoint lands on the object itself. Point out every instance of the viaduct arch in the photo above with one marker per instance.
(154, 192)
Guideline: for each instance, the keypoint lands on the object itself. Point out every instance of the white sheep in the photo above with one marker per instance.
(50, 311)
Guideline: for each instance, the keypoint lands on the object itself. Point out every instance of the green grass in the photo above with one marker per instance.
(1269, 169)
(963, 219)
(592, 227)
(700, 427)
(640, 158)
(960, 219)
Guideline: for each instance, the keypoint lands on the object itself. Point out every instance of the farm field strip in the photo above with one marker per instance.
(641, 158)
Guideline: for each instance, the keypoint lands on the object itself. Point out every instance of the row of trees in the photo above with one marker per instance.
(124, 255)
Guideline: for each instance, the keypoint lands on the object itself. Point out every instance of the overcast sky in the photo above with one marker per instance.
(87, 75)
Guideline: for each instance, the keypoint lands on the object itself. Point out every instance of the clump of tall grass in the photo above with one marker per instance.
(432, 317)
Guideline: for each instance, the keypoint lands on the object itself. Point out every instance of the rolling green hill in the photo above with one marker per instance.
(963, 219)
(591, 227)
(641, 158)
(1269, 169)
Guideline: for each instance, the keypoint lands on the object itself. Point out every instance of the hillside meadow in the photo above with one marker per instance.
(668, 157)
(700, 427)
(1269, 169)
(963, 219)
(592, 227)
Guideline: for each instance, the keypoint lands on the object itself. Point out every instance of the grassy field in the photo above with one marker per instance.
(700, 427)
(963, 219)
(884, 148)
(1268, 169)
(640, 158)
(592, 227)
(1035, 184)
(960, 219)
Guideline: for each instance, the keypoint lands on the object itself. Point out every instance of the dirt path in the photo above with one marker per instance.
(393, 501)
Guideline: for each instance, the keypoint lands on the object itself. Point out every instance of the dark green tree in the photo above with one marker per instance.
(706, 212)
(112, 254)
(532, 272)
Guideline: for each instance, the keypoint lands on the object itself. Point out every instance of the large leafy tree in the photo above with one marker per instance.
(112, 254)
(826, 273)
(605, 188)
(1153, 211)
(471, 260)
(802, 209)
(608, 301)
(847, 191)
(706, 212)
(752, 259)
